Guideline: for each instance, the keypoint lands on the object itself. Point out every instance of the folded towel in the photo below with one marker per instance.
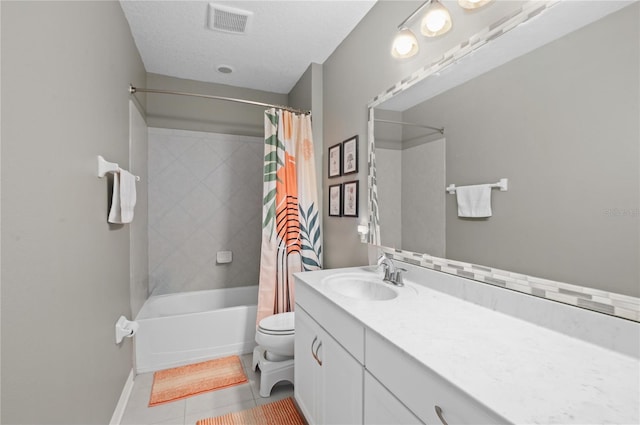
(127, 195)
(114, 212)
(474, 201)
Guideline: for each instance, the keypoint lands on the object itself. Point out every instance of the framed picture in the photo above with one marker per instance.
(350, 199)
(335, 200)
(335, 160)
(350, 155)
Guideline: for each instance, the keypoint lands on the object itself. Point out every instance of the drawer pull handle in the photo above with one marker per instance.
(312, 344)
(439, 413)
(316, 355)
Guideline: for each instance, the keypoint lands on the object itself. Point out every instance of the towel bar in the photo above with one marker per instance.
(105, 167)
(503, 185)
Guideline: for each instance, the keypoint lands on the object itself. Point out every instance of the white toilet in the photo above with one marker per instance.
(274, 354)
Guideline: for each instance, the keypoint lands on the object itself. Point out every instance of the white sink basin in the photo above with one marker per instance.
(360, 286)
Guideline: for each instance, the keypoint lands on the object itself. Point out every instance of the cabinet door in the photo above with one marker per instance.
(342, 383)
(328, 380)
(308, 383)
(383, 408)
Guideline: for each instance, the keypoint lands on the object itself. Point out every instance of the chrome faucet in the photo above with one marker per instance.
(392, 274)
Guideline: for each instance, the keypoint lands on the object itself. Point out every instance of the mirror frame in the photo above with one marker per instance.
(610, 303)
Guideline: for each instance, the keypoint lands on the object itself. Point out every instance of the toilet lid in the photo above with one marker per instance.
(282, 323)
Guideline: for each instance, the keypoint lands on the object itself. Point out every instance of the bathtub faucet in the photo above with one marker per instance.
(392, 274)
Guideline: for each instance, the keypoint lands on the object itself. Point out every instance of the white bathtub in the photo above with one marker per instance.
(183, 328)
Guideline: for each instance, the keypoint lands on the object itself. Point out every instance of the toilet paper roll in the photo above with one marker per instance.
(125, 328)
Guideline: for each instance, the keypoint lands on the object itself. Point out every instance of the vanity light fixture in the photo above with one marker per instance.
(472, 4)
(436, 21)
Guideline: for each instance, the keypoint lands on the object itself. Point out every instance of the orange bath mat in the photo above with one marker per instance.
(281, 412)
(185, 381)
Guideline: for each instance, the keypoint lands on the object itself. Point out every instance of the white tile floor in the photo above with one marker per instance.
(190, 410)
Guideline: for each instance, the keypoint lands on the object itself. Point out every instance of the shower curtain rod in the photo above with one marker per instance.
(439, 130)
(133, 90)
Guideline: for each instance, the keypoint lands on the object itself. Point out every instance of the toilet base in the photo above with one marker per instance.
(271, 372)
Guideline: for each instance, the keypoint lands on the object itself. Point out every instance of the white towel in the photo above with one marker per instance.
(127, 195)
(123, 199)
(114, 212)
(474, 201)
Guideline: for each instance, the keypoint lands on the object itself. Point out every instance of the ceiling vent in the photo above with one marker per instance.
(229, 19)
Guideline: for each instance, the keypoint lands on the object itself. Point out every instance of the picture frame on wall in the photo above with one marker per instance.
(350, 156)
(335, 160)
(335, 200)
(350, 199)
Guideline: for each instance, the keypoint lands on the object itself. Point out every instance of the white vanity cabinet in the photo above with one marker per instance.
(421, 390)
(328, 376)
(426, 357)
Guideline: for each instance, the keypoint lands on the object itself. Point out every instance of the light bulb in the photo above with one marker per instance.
(436, 21)
(405, 44)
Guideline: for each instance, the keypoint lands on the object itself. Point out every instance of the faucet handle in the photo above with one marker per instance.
(396, 277)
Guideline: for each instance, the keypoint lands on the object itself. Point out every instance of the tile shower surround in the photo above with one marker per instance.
(205, 195)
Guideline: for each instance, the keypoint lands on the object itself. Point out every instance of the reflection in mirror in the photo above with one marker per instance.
(410, 174)
(560, 122)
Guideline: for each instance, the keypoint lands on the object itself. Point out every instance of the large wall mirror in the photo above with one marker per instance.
(553, 106)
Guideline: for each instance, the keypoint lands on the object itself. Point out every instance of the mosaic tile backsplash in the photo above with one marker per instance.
(610, 303)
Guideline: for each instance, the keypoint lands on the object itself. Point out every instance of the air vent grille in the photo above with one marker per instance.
(228, 19)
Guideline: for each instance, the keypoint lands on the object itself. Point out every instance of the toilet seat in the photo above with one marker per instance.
(278, 324)
(268, 332)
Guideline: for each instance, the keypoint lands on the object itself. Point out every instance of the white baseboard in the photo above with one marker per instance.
(122, 402)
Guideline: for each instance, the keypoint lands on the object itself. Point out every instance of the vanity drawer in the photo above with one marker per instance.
(420, 389)
(344, 328)
(383, 408)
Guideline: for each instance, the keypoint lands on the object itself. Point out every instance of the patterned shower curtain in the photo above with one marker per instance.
(291, 237)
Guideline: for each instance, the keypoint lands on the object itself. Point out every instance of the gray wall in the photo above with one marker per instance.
(65, 272)
(215, 116)
(566, 135)
(357, 71)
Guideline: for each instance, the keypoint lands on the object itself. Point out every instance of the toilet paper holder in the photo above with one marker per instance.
(125, 328)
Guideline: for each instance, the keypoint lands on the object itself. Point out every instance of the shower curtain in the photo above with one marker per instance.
(291, 236)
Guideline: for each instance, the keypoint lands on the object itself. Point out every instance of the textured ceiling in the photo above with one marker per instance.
(283, 39)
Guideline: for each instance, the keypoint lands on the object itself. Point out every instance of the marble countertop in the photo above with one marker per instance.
(523, 372)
